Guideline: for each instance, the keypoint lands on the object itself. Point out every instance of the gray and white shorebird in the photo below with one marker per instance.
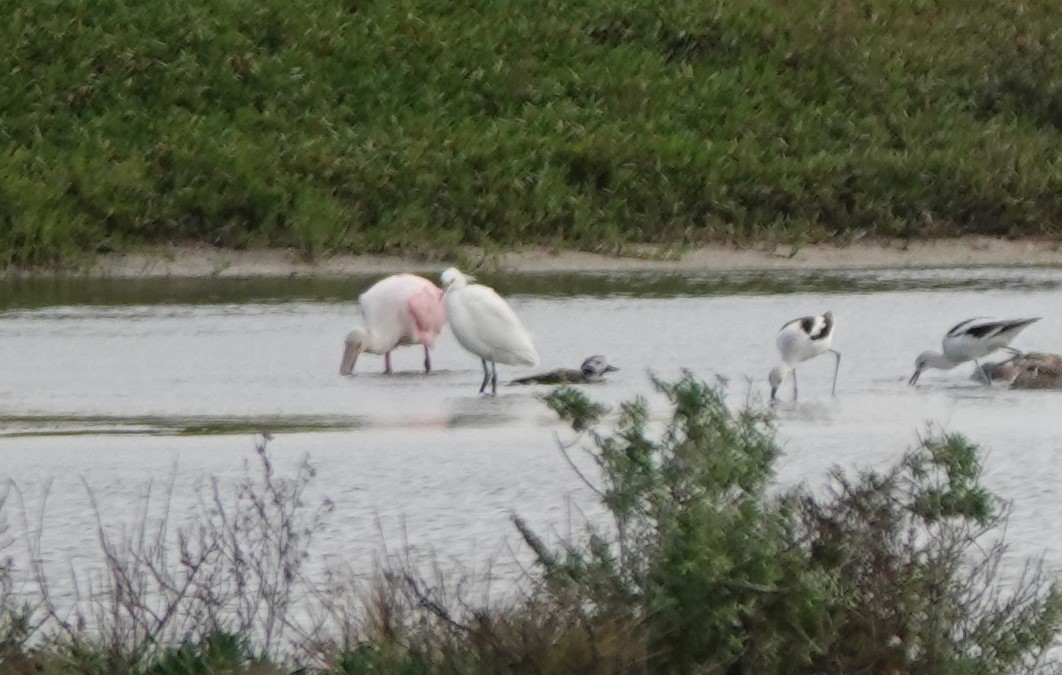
(799, 340)
(971, 340)
(592, 371)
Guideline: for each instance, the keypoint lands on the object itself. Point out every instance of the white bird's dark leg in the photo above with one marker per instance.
(493, 378)
(984, 376)
(427, 360)
(387, 363)
(486, 377)
(836, 368)
(794, 385)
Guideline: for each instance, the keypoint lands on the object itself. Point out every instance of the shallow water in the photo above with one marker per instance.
(109, 386)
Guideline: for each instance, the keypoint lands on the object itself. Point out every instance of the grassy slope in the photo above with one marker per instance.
(372, 125)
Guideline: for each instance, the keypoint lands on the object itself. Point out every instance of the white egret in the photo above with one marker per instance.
(485, 325)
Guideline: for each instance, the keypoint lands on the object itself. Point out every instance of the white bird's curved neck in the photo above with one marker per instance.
(941, 361)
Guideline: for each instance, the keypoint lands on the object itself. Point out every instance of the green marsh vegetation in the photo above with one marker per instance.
(422, 127)
(704, 565)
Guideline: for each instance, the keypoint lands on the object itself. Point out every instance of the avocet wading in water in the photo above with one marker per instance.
(402, 309)
(969, 341)
(485, 324)
(799, 340)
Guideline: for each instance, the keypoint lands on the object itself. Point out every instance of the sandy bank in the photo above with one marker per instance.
(192, 261)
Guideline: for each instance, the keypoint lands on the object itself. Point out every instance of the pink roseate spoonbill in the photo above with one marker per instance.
(969, 341)
(402, 309)
(591, 372)
(799, 340)
(485, 325)
(1032, 370)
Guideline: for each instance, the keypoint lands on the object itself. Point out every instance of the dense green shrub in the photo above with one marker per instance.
(362, 125)
(887, 572)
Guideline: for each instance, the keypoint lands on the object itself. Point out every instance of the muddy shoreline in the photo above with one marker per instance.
(206, 262)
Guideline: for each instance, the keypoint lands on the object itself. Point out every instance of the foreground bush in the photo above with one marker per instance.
(707, 566)
(362, 125)
(886, 573)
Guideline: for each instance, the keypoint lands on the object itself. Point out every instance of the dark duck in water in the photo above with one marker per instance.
(1034, 370)
(592, 370)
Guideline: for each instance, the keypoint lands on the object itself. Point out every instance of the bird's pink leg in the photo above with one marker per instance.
(387, 363)
(427, 360)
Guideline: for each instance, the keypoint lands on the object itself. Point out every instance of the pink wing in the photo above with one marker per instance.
(428, 312)
(392, 307)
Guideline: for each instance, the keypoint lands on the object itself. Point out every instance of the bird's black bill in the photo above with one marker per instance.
(914, 378)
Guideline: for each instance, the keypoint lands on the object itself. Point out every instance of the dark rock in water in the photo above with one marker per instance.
(592, 370)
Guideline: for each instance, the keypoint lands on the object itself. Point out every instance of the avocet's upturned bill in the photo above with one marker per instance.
(485, 325)
(969, 341)
(802, 339)
(402, 309)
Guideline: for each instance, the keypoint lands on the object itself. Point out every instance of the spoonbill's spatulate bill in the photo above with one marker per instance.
(402, 309)
(799, 340)
(485, 325)
(969, 341)
(593, 370)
